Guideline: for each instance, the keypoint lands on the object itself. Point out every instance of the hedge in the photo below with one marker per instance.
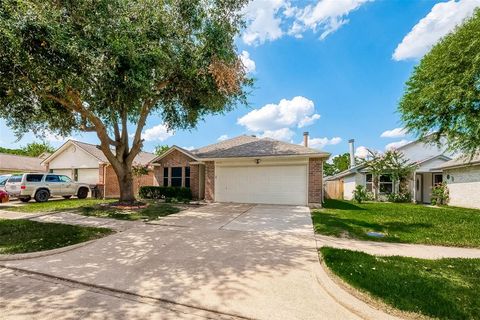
(151, 192)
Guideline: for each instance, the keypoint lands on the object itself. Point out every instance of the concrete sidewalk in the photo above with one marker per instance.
(397, 249)
(225, 258)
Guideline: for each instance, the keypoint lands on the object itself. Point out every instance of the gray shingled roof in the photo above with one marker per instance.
(143, 158)
(250, 146)
(462, 161)
(11, 162)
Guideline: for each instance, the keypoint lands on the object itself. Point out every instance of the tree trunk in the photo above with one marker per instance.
(375, 187)
(125, 182)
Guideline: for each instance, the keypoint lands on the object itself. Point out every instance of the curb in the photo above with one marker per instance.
(31, 255)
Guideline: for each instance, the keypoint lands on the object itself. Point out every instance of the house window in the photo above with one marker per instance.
(165, 177)
(385, 184)
(176, 180)
(187, 177)
(369, 182)
(437, 179)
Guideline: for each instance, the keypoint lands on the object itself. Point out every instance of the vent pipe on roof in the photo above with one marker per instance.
(351, 144)
(305, 139)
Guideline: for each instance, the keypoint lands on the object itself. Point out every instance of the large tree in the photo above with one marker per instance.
(105, 65)
(443, 93)
(339, 163)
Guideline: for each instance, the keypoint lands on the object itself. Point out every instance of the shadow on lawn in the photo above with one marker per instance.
(340, 205)
(331, 224)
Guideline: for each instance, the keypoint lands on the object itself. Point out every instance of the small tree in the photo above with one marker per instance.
(339, 163)
(35, 149)
(377, 165)
(399, 168)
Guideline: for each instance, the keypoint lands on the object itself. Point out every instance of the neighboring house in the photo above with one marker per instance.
(428, 157)
(10, 163)
(86, 163)
(246, 169)
(462, 176)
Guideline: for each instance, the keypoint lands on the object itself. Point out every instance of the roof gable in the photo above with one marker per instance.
(172, 149)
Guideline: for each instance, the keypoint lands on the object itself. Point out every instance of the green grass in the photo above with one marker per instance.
(400, 222)
(444, 289)
(152, 212)
(22, 236)
(56, 205)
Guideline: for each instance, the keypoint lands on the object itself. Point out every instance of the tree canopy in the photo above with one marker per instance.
(102, 65)
(34, 149)
(443, 93)
(339, 163)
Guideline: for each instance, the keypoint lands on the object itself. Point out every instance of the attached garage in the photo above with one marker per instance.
(282, 184)
(64, 172)
(89, 176)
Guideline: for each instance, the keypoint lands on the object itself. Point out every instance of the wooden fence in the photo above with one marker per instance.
(334, 189)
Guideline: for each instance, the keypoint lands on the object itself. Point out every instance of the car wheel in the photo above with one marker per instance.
(67, 197)
(42, 195)
(82, 193)
(26, 199)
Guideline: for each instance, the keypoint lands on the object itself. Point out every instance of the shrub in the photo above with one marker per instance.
(440, 194)
(399, 197)
(361, 194)
(152, 192)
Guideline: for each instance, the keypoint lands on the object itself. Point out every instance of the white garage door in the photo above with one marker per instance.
(262, 184)
(89, 176)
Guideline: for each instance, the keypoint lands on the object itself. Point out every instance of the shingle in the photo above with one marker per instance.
(143, 158)
(11, 162)
(250, 146)
(463, 160)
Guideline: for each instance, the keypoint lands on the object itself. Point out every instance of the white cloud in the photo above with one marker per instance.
(397, 144)
(157, 133)
(320, 143)
(442, 19)
(189, 148)
(263, 21)
(361, 152)
(298, 112)
(223, 137)
(248, 63)
(327, 16)
(51, 137)
(394, 133)
(268, 20)
(284, 134)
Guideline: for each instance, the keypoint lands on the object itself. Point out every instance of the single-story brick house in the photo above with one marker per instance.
(11, 163)
(246, 169)
(462, 176)
(86, 163)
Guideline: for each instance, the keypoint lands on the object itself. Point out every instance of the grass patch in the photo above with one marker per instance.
(152, 212)
(400, 222)
(56, 205)
(22, 236)
(444, 289)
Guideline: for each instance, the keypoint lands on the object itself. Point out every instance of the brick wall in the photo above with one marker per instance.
(112, 189)
(209, 181)
(315, 180)
(179, 159)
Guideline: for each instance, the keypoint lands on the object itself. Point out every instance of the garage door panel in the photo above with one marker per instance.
(89, 176)
(263, 184)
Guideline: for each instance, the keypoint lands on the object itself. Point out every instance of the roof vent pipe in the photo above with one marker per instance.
(305, 139)
(351, 144)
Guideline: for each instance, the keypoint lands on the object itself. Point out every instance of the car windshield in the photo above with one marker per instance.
(15, 179)
(3, 180)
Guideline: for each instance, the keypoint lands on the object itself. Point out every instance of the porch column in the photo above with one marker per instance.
(414, 199)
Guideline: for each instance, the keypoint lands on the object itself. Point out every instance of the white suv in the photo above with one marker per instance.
(41, 187)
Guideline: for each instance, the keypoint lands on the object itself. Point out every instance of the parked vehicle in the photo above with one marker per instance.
(41, 187)
(3, 180)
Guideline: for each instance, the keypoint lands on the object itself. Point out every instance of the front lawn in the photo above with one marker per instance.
(444, 289)
(56, 205)
(152, 212)
(399, 222)
(22, 236)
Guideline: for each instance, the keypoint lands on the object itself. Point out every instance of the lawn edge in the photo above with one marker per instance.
(365, 296)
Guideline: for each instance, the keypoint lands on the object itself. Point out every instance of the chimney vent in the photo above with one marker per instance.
(351, 144)
(305, 139)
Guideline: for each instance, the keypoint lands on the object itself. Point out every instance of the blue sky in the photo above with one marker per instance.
(334, 68)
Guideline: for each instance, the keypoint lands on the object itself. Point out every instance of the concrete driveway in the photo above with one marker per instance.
(251, 261)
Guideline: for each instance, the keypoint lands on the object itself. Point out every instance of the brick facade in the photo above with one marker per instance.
(179, 159)
(111, 187)
(209, 181)
(315, 180)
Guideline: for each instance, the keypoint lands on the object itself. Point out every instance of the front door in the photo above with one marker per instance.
(419, 188)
